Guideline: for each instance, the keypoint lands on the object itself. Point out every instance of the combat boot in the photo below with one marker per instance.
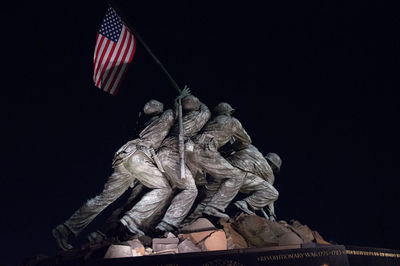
(61, 233)
(131, 227)
(196, 214)
(164, 227)
(96, 237)
(214, 212)
(242, 205)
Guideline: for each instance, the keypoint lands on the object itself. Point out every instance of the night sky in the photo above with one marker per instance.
(315, 82)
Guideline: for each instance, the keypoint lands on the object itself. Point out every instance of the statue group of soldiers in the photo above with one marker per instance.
(220, 161)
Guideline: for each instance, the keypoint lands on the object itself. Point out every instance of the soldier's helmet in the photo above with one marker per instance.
(153, 107)
(223, 109)
(275, 160)
(190, 103)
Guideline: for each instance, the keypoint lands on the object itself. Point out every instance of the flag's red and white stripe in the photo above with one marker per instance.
(111, 57)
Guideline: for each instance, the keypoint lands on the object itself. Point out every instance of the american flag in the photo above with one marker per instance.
(115, 46)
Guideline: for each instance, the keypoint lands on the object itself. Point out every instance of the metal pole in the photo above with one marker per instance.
(174, 84)
(140, 39)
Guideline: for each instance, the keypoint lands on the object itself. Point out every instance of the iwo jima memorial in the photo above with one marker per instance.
(200, 192)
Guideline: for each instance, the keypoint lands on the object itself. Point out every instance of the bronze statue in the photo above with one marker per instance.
(206, 158)
(196, 116)
(259, 179)
(219, 147)
(135, 161)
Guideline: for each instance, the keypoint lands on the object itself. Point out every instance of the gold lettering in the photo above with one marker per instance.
(169, 264)
(372, 253)
(322, 253)
(298, 255)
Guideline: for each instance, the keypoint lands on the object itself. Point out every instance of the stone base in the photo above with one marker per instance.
(307, 254)
(372, 256)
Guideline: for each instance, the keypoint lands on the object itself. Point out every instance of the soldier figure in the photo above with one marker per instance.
(259, 180)
(206, 158)
(196, 116)
(133, 162)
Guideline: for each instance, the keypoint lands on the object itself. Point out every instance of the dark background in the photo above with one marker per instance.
(315, 82)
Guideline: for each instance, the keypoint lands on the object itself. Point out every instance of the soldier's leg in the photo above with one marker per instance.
(152, 203)
(113, 222)
(116, 185)
(182, 202)
(209, 190)
(262, 192)
(232, 179)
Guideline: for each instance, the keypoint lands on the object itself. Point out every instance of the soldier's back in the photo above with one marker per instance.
(219, 130)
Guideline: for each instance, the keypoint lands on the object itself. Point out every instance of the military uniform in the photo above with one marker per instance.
(259, 180)
(141, 164)
(168, 154)
(132, 163)
(205, 157)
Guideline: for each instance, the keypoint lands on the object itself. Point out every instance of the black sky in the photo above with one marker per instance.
(315, 82)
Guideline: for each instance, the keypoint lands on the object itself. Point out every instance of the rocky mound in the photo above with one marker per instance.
(245, 231)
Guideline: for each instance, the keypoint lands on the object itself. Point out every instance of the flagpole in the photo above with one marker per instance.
(174, 84)
(140, 39)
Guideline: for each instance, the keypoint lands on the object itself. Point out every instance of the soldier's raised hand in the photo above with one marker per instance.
(185, 92)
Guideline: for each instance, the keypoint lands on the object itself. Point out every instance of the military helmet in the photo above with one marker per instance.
(153, 107)
(223, 108)
(190, 103)
(274, 159)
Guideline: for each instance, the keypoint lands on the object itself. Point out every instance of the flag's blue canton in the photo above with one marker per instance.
(112, 25)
